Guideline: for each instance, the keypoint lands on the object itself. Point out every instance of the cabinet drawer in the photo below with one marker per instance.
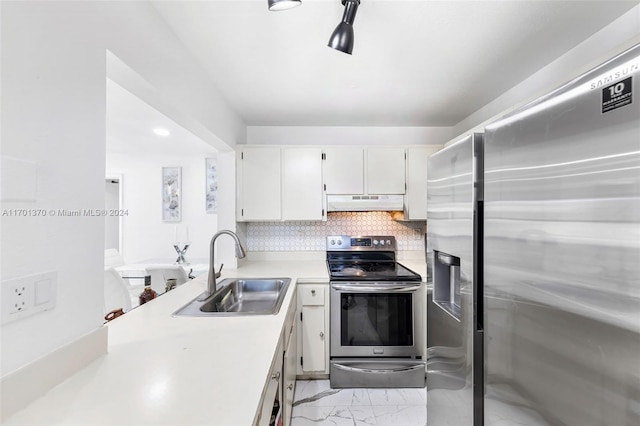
(311, 294)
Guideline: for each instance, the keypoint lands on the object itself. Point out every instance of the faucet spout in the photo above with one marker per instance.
(211, 281)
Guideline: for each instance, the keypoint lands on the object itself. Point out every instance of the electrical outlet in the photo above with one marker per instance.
(27, 295)
(18, 300)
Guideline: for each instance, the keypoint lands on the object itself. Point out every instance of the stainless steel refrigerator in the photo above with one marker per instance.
(559, 243)
(454, 322)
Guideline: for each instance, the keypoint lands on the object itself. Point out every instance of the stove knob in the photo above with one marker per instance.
(375, 242)
(333, 242)
(388, 242)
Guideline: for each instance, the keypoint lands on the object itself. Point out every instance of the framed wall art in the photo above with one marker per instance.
(171, 194)
(211, 165)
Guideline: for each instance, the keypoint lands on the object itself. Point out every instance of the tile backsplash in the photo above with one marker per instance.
(311, 236)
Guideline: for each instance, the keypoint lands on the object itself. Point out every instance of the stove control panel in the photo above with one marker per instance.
(363, 243)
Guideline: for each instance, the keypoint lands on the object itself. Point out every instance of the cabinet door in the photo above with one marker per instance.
(313, 339)
(344, 170)
(273, 390)
(259, 189)
(302, 184)
(385, 171)
(416, 198)
(290, 359)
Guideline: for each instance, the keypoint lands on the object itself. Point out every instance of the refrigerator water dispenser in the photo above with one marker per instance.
(446, 283)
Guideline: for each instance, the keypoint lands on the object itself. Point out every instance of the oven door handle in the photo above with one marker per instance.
(381, 370)
(378, 288)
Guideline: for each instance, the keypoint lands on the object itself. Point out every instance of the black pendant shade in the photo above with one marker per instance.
(275, 5)
(342, 37)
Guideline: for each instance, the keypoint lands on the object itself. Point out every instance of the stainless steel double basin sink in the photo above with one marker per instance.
(240, 297)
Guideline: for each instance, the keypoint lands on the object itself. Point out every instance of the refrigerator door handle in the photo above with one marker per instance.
(478, 266)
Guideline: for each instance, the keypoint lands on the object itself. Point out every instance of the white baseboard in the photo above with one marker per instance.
(19, 388)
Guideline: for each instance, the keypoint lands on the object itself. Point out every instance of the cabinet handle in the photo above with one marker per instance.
(290, 387)
(276, 376)
(313, 292)
(322, 334)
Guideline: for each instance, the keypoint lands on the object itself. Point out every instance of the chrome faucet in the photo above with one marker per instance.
(211, 282)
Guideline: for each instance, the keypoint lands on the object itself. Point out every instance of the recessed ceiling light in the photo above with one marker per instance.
(161, 132)
(283, 4)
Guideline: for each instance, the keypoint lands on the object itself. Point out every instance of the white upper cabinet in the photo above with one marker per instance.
(285, 183)
(385, 171)
(344, 170)
(277, 184)
(355, 170)
(416, 197)
(302, 196)
(259, 196)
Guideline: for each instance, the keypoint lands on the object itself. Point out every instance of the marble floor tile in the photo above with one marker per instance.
(321, 395)
(405, 415)
(398, 397)
(338, 415)
(309, 388)
(315, 403)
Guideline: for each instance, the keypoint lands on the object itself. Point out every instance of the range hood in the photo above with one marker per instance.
(364, 203)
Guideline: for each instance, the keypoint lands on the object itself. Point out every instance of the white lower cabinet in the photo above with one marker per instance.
(313, 334)
(290, 361)
(271, 408)
(277, 403)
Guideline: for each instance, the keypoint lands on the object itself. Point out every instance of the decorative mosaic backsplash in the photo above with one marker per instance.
(311, 236)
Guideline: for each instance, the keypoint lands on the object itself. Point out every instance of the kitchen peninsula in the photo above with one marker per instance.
(162, 369)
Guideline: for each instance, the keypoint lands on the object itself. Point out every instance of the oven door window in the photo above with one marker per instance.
(381, 319)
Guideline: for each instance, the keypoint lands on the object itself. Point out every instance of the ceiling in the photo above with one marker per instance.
(415, 63)
(130, 125)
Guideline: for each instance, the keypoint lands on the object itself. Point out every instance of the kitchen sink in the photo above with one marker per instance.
(240, 297)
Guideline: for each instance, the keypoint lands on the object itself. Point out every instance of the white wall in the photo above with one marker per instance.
(314, 135)
(53, 113)
(112, 223)
(145, 235)
(225, 246)
(613, 39)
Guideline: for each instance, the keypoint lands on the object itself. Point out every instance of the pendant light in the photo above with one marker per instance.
(275, 5)
(342, 37)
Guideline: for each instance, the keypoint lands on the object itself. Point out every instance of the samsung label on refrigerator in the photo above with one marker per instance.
(617, 95)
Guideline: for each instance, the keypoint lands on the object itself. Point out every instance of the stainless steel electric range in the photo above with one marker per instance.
(373, 315)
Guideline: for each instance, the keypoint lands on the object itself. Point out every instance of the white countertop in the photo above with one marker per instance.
(178, 370)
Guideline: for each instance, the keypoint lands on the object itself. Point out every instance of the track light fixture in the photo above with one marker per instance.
(283, 4)
(342, 37)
